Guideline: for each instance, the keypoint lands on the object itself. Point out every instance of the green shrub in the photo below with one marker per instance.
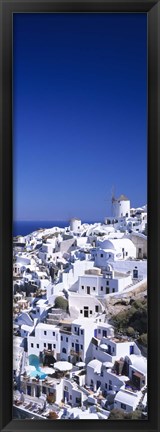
(62, 303)
(117, 414)
(135, 317)
(130, 331)
(134, 415)
(143, 339)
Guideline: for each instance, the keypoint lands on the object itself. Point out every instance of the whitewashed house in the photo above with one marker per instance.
(115, 249)
(82, 305)
(45, 337)
(81, 348)
(127, 400)
(111, 349)
(101, 284)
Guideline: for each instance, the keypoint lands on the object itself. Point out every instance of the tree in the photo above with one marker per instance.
(143, 339)
(62, 303)
(117, 414)
(130, 331)
(134, 415)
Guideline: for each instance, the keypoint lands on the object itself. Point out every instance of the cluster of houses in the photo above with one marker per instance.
(68, 360)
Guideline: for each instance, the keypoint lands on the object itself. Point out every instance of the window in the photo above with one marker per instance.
(101, 288)
(106, 385)
(82, 286)
(90, 312)
(96, 308)
(53, 333)
(107, 283)
(78, 400)
(61, 338)
(64, 350)
(45, 332)
(75, 329)
(122, 249)
(66, 339)
(104, 333)
(126, 253)
(32, 345)
(81, 311)
(94, 288)
(99, 331)
(110, 382)
(70, 397)
(44, 345)
(81, 332)
(54, 345)
(72, 345)
(107, 290)
(101, 255)
(113, 289)
(123, 406)
(37, 345)
(81, 346)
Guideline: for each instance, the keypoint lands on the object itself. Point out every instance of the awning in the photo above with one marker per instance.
(63, 366)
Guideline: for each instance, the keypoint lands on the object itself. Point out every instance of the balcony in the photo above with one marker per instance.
(48, 352)
(75, 353)
(66, 331)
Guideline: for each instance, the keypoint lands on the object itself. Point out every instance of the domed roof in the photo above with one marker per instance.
(122, 198)
(109, 267)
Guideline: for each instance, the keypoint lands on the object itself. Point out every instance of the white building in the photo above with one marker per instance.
(44, 337)
(75, 224)
(115, 249)
(120, 207)
(85, 306)
(100, 376)
(127, 400)
(111, 349)
(102, 284)
(81, 348)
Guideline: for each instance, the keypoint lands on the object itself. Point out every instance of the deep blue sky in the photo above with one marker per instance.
(79, 113)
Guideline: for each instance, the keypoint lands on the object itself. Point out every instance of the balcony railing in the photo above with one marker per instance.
(65, 331)
(77, 353)
(48, 352)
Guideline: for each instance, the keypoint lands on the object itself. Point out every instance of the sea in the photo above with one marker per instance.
(23, 228)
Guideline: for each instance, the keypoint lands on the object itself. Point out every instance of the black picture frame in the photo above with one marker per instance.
(152, 8)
